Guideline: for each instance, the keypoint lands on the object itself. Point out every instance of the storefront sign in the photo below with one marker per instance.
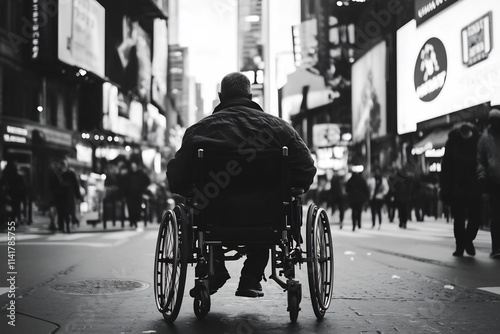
(477, 40)
(425, 9)
(15, 134)
(430, 70)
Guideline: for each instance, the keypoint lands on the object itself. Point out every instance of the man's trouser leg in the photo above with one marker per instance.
(495, 218)
(256, 262)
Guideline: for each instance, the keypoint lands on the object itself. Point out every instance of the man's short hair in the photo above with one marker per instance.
(235, 85)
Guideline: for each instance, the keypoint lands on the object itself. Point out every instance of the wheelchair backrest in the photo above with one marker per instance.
(235, 191)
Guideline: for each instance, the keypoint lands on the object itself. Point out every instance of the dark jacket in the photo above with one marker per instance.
(357, 189)
(240, 125)
(488, 157)
(458, 167)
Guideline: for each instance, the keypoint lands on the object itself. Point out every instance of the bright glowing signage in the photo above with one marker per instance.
(477, 40)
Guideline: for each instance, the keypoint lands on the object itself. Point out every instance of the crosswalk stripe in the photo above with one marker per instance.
(494, 289)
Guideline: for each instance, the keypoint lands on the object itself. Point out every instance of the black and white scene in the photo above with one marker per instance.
(249, 166)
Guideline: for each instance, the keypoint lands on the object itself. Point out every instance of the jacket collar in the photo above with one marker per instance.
(237, 102)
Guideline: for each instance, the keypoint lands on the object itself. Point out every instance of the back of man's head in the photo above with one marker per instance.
(235, 85)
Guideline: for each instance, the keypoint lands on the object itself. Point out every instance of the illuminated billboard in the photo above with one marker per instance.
(450, 63)
(369, 94)
(81, 34)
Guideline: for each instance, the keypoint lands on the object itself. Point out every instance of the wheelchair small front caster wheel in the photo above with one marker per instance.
(294, 298)
(201, 303)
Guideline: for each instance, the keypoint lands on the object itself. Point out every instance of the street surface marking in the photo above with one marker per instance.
(120, 235)
(72, 236)
(494, 289)
(75, 243)
(19, 237)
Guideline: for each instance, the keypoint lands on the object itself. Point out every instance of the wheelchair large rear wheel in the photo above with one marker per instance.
(320, 266)
(171, 265)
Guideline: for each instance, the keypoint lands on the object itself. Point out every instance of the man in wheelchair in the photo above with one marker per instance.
(239, 126)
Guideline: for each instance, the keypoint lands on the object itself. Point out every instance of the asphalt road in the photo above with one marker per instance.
(386, 281)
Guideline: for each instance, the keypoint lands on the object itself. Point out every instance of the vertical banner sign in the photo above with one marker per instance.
(425, 9)
(477, 40)
(35, 37)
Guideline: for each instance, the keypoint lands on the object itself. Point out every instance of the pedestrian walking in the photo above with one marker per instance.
(403, 190)
(136, 185)
(390, 199)
(357, 194)
(15, 191)
(240, 124)
(379, 188)
(54, 185)
(459, 186)
(488, 173)
(66, 196)
(337, 197)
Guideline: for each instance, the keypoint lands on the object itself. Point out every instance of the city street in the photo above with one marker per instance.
(386, 281)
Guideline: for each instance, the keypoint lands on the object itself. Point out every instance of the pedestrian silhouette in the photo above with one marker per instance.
(357, 194)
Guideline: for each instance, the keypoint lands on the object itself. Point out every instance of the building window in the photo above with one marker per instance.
(20, 95)
(52, 108)
(68, 110)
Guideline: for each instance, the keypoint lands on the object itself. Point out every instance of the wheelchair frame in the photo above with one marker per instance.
(182, 241)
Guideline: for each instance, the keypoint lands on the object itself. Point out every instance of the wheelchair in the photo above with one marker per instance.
(228, 210)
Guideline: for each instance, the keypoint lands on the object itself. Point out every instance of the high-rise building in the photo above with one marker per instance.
(250, 57)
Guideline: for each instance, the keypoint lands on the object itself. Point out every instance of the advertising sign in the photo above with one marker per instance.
(430, 70)
(159, 66)
(155, 126)
(325, 135)
(128, 124)
(81, 34)
(369, 99)
(477, 40)
(448, 64)
(425, 9)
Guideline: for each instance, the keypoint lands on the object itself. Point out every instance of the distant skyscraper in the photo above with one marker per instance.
(250, 57)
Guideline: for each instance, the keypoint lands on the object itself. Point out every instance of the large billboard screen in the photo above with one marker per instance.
(128, 56)
(81, 34)
(369, 94)
(159, 66)
(450, 63)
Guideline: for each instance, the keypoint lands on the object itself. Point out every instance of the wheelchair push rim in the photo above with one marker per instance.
(170, 265)
(320, 267)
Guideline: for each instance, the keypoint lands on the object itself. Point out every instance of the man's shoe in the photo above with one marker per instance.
(215, 282)
(470, 249)
(459, 252)
(495, 254)
(249, 287)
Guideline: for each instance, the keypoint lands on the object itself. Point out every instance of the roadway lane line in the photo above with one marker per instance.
(494, 289)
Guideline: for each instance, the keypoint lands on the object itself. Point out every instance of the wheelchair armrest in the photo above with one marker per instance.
(296, 191)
